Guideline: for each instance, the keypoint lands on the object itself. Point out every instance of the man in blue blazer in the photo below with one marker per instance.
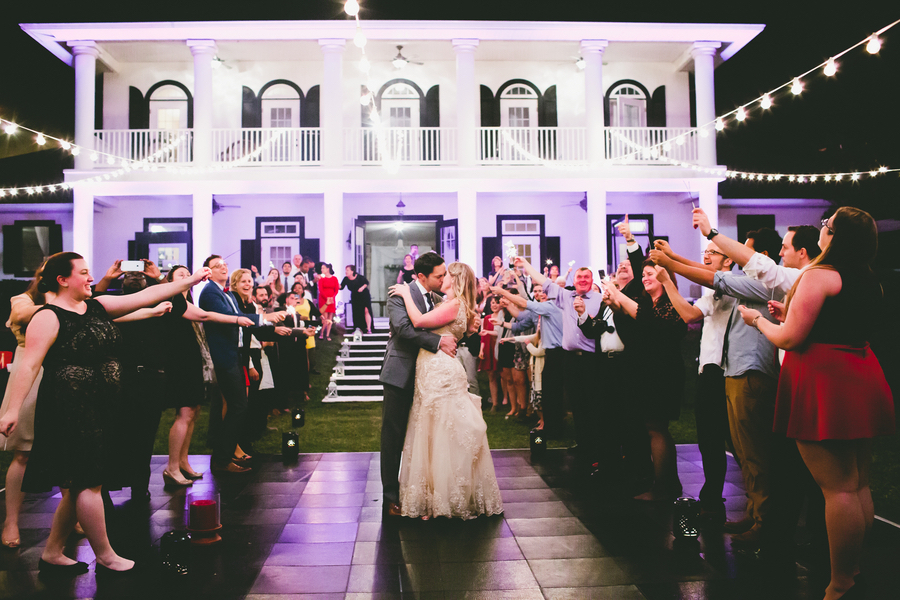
(224, 348)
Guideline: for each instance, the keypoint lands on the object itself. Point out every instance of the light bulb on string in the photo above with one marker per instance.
(111, 160)
(854, 177)
(740, 115)
(351, 7)
(94, 157)
(830, 67)
(366, 98)
(580, 64)
(359, 39)
(704, 133)
(364, 64)
(76, 150)
(10, 128)
(796, 86)
(766, 102)
(874, 44)
(65, 145)
(40, 140)
(882, 169)
(720, 124)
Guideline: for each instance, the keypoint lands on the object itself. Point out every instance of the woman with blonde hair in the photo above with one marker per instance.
(446, 467)
(832, 394)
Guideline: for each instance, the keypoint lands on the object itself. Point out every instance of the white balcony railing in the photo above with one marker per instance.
(163, 146)
(400, 145)
(532, 145)
(276, 146)
(651, 145)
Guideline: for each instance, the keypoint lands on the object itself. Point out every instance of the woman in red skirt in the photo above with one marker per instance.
(832, 394)
(488, 355)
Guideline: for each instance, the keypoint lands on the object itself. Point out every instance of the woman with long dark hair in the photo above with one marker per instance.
(656, 342)
(360, 298)
(73, 336)
(832, 394)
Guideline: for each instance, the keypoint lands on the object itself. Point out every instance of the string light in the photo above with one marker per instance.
(853, 176)
(740, 115)
(359, 39)
(796, 86)
(580, 63)
(720, 125)
(10, 128)
(40, 140)
(874, 44)
(830, 68)
(766, 102)
(351, 7)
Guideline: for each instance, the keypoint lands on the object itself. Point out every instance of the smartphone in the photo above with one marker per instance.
(136, 266)
(601, 273)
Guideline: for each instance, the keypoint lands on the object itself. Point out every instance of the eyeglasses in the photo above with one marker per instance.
(219, 265)
(827, 226)
(711, 252)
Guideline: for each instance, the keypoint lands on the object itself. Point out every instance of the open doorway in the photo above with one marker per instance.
(386, 243)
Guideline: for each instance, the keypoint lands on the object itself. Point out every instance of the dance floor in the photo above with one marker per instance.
(314, 530)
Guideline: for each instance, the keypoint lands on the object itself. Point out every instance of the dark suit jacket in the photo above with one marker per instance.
(399, 367)
(222, 338)
(595, 326)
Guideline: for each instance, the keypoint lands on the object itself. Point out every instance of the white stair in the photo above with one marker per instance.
(362, 367)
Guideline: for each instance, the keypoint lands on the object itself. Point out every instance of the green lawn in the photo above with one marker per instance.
(356, 427)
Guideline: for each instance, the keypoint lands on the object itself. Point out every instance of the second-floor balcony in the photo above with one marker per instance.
(409, 146)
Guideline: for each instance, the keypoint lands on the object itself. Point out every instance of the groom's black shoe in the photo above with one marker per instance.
(392, 510)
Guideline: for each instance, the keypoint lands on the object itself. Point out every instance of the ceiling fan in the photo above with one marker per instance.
(582, 204)
(401, 61)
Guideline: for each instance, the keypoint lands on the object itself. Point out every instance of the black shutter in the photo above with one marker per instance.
(250, 255)
(692, 97)
(138, 109)
(431, 115)
(547, 108)
(98, 101)
(552, 250)
(310, 115)
(656, 111)
(251, 109)
(490, 108)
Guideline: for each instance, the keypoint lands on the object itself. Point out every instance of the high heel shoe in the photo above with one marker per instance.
(12, 544)
(169, 479)
(102, 571)
(62, 570)
(191, 474)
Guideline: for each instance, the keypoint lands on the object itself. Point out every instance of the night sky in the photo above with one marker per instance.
(849, 122)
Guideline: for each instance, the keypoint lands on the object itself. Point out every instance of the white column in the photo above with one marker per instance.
(334, 238)
(709, 202)
(592, 53)
(203, 51)
(596, 224)
(83, 224)
(85, 53)
(466, 103)
(705, 94)
(332, 103)
(201, 226)
(466, 206)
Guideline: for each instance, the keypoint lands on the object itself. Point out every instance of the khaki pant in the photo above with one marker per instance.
(751, 413)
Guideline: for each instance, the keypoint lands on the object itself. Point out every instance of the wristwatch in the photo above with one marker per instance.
(161, 277)
(712, 233)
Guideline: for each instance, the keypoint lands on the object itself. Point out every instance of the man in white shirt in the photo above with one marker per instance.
(296, 263)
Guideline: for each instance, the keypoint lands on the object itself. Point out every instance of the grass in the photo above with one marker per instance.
(356, 427)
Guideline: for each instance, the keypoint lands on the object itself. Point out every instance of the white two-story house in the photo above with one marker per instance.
(257, 140)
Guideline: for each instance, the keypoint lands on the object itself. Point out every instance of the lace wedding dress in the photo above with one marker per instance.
(447, 468)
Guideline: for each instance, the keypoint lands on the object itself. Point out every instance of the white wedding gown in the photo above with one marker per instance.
(446, 468)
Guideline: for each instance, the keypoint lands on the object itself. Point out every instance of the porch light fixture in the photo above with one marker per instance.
(399, 62)
(580, 63)
(874, 44)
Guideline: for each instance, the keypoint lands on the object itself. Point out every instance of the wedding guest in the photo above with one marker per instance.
(407, 271)
(293, 334)
(287, 276)
(75, 339)
(328, 289)
(274, 282)
(258, 278)
(484, 292)
(832, 394)
(360, 298)
(497, 270)
(488, 354)
(22, 309)
(312, 277)
(296, 263)
(658, 332)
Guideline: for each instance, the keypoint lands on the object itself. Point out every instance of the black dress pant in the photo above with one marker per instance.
(394, 418)
(713, 435)
(624, 446)
(232, 430)
(552, 379)
(583, 395)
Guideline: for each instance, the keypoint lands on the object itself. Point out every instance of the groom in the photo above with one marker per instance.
(398, 373)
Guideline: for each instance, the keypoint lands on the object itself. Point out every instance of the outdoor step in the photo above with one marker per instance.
(366, 343)
(354, 399)
(362, 360)
(360, 390)
(370, 353)
(371, 377)
(362, 369)
(344, 383)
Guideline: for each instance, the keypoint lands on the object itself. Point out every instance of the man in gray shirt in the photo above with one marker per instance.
(751, 380)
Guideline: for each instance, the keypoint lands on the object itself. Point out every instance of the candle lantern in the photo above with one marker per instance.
(538, 444)
(332, 389)
(175, 550)
(290, 445)
(684, 519)
(345, 351)
(339, 369)
(298, 417)
(357, 335)
(203, 517)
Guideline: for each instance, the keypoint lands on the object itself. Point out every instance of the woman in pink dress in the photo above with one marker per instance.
(328, 291)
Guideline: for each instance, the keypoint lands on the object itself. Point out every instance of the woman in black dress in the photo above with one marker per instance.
(75, 339)
(407, 271)
(360, 298)
(656, 343)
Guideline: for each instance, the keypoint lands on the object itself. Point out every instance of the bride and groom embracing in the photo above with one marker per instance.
(429, 417)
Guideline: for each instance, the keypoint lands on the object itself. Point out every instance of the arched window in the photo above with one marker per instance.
(400, 105)
(280, 106)
(627, 106)
(519, 107)
(168, 108)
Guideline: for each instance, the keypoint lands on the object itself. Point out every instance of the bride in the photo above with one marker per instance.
(446, 468)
